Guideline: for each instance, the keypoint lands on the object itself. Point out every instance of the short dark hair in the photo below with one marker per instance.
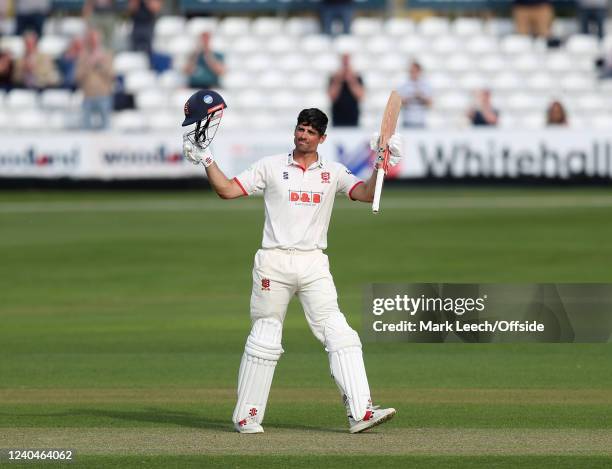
(315, 118)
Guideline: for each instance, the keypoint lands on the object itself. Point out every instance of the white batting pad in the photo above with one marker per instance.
(346, 363)
(261, 353)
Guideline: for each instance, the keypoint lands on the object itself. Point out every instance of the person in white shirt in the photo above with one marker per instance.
(416, 97)
(299, 189)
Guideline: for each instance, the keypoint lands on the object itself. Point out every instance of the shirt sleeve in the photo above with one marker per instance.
(252, 179)
(347, 181)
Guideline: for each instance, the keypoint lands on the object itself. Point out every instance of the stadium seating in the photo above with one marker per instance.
(278, 65)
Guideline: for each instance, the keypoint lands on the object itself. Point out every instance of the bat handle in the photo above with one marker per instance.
(380, 177)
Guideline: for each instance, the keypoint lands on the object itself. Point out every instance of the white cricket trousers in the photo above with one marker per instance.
(278, 274)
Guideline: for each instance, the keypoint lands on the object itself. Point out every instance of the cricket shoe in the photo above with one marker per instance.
(373, 416)
(248, 425)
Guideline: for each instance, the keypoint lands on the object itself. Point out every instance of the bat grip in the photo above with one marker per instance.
(380, 177)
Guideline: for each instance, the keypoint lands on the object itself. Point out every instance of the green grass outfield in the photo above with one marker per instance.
(123, 317)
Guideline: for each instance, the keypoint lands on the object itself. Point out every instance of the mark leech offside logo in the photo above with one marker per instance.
(265, 284)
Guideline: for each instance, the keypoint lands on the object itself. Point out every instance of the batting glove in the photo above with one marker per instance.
(395, 147)
(196, 154)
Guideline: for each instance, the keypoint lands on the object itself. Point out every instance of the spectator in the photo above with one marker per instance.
(592, 16)
(30, 15)
(533, 17)
(205, 67)
(67, 63)
(94, 74)
(143, 14)
(416, 97)
(483, 113)
(345, 92)
(556, 115)
(332, 10)
(101, 15)
(34, 70)
(6, 70)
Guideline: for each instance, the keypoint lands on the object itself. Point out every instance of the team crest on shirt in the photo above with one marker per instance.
(325, 177)
(265, 284)
(305, 197)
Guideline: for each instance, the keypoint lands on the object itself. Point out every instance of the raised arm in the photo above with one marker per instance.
(224, 187)
(365, 192)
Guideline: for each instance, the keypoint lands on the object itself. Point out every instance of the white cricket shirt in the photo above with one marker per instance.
(298, 201)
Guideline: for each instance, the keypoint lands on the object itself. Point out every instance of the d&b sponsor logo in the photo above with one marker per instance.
(305, 197)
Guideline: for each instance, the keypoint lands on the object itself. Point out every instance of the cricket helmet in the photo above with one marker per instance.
(204, 109)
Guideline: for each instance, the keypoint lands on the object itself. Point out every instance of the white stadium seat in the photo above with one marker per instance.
(473, 81)
(434, 26)
(308, 80)
(576, 82)
(284, 100)
(140, 80)
(53, 46)
(583, 45)
(479, 45)
(72, 26)
(13, 44)
(291, 62)
(236, 80)
(280, 44)
(250, 100)
(163, 120)
(541, 81)
(441, 81)
(267, 26)
(366, 26)
(492, 63)
(199, 25)
(452, 101)
(399, 27)
(129, 121)
(126, 62)
(170, 26)
(234, 26)
(467, 27)
(527, 63)
(325, 63)
(347, 44)
(413, 45)
(445, 45)
(516, 44)
(316, 44)
(56, 99)
(29, 120)
(379, 44)
(179, 98)
(272, 80)
(259, 63)
(151, 100)
(507, 82)
(171, 80)
(460, 63)
(298, 26)
(246, 44)
(559, 62)
(21, 99)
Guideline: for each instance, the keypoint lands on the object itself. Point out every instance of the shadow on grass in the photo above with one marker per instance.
(177, 418)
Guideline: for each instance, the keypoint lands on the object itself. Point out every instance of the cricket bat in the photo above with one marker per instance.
(387, 129)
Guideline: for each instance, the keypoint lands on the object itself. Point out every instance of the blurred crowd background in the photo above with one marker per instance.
(129, 65)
